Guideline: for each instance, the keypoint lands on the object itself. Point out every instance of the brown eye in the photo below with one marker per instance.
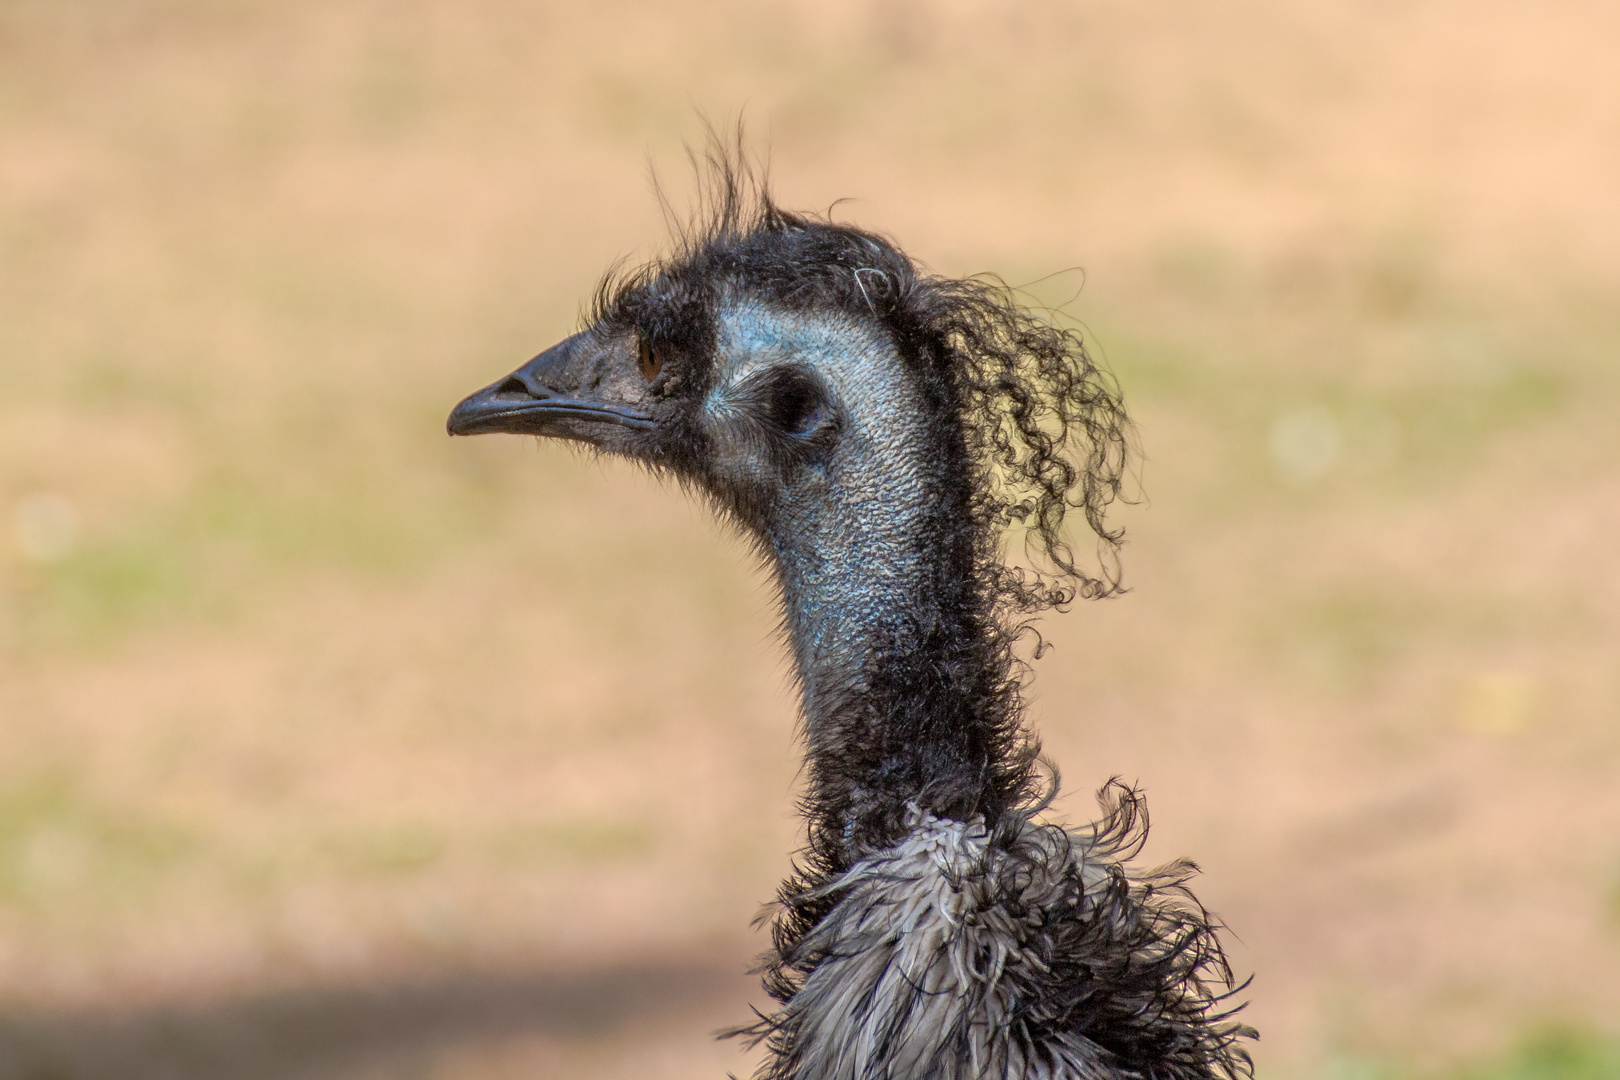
(648, 359)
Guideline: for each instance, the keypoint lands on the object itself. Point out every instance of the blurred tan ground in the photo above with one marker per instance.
(332, 748)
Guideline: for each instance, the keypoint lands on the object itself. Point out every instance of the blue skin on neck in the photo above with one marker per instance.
(872, 543)
(847, 532)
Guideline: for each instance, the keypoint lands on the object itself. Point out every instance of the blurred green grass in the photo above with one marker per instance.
(1554, 1053)
(57, 838)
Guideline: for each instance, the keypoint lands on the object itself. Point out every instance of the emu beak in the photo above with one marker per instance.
(529, 401)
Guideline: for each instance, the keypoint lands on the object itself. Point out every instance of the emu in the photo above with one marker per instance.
(877, 431)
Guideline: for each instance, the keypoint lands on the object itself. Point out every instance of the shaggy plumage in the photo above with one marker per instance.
(1025, 952)
(876, 431)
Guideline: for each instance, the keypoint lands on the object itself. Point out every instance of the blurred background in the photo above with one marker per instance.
(333, 749)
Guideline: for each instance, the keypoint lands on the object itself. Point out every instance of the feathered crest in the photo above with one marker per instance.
(1045, 428)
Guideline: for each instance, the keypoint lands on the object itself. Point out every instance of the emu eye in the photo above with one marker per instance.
(648, 359)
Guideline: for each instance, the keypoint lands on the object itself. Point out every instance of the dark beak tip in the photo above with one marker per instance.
(461, 418)
(485, 412)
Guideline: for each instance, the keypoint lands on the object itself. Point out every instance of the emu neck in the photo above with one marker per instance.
(906, 698)
(909, 701)
(909, 704)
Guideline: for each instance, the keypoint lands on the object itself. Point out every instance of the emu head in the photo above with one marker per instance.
(845, 409)
(767, 402)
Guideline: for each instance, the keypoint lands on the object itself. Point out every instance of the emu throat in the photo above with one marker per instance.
(908, 703)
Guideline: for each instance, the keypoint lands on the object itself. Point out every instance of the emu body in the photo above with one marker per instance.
(874, 431)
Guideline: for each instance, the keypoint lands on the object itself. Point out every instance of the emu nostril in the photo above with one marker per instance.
(530, 389)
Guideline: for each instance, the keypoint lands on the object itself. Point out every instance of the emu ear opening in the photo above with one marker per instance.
(800, 407)
(790, 400)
